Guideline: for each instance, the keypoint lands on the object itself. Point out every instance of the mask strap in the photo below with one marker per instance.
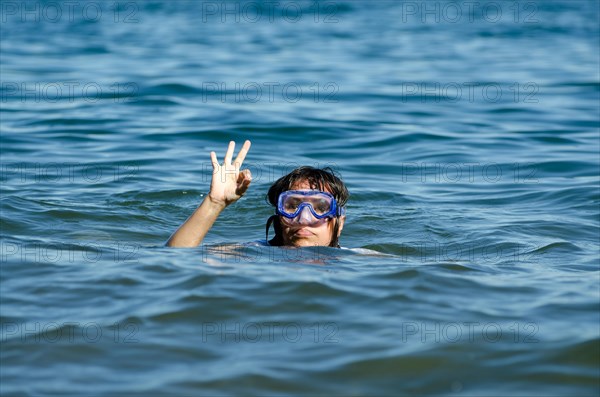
(269, 221)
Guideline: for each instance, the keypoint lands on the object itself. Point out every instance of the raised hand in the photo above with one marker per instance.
(229, 183)
(227, 186)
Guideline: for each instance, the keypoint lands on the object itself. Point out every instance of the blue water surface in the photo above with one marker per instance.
(467, 134)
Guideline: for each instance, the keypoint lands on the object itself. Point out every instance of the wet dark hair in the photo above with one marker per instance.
(324, 179)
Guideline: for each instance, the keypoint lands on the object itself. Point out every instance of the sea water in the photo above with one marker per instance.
(467, 134)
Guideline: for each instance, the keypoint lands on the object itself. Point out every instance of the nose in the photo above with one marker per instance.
(305, 217)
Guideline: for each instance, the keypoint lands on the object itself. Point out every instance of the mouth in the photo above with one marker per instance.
(302, 232)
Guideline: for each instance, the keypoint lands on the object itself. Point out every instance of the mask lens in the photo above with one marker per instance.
(320, 205)
(291, 204)
(318, 202)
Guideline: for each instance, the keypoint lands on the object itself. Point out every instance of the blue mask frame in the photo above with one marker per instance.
(333, 212)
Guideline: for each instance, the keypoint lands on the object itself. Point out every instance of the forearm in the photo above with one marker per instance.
(193, 230)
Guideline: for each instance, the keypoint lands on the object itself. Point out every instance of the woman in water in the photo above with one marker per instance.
(309, 204)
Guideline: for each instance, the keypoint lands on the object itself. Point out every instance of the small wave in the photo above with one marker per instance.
(559, 246)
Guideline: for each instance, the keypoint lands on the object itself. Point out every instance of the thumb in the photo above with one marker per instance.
(245, 176)
(243, 182)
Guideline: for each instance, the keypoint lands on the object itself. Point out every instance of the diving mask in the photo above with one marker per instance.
(294, 204)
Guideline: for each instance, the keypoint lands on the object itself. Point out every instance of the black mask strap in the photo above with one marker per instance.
(269, 221)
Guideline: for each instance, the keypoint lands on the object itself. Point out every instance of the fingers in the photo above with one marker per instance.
(245, 176)
(213, 160)
(242, 154)
(229, 154)
(243, 182)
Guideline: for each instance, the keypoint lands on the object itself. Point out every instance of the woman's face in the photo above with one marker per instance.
(302, 234)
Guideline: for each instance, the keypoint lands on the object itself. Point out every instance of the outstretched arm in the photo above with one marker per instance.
(227, 186)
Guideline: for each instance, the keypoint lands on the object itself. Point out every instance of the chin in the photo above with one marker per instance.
(301, 242)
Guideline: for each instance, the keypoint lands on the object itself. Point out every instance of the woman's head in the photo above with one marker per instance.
(306, 230)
